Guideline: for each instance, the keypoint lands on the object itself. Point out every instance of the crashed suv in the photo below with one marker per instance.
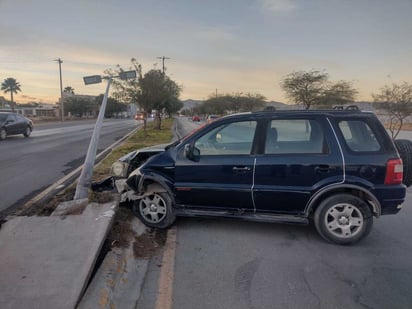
(337, 168)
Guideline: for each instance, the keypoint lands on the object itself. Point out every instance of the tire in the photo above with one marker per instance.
(27, 132)
(404, 147)
(155, 210)
(3, 134)
(343, 219)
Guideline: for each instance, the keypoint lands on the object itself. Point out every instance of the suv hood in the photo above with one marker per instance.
(152, 149)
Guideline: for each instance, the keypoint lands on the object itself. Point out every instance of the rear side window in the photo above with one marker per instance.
(230, 139)
(359, 136)
(295, 136)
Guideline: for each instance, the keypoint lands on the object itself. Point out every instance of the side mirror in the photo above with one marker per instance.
(191, 152)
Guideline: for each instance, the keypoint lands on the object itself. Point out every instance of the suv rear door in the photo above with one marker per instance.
(300, 157)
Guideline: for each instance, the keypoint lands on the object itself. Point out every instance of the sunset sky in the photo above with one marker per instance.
(228, 45)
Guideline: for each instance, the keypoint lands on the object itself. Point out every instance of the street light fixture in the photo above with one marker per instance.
(94, 79)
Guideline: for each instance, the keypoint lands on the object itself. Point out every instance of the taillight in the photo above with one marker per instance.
(394, 172)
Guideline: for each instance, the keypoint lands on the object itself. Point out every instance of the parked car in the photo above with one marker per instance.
(336, 168)
(195, 118)
(12, 124)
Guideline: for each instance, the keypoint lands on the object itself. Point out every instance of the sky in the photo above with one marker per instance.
(228, 46)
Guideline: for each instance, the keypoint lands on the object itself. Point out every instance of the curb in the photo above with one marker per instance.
(119, 280)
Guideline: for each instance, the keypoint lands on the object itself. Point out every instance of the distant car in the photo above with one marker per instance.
(139, 116)
(195, 118)
(212, 117)
(12, 124)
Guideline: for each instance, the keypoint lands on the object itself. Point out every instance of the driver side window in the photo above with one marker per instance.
(230, 139)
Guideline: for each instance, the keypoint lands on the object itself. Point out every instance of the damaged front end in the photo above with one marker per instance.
(124, 169)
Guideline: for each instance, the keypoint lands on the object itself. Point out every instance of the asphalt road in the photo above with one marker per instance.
(29, 165)
(230, 264)
(234, 264)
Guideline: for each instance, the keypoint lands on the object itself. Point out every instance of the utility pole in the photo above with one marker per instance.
(163, 62)
(61, 86)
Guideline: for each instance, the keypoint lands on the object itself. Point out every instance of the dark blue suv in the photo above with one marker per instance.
(339, 168)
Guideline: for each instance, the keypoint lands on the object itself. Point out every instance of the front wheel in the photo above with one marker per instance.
(343, 219)
(155, 210)
(27, 132)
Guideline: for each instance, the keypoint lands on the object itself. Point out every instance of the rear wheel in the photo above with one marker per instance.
(3, 134)
(155, 210)
(404, 147)
(343, 219)
(27, 132)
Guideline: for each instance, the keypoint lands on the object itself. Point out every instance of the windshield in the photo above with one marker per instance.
(3, 117)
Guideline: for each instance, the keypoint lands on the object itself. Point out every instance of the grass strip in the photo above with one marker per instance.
(137, 141)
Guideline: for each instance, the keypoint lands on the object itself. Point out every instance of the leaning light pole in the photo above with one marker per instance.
(85, 179)
(61, 87)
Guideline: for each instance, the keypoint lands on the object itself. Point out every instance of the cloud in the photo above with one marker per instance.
(216, 34)
(275, 6)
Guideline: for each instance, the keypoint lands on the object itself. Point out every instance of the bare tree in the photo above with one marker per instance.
(396, 100)
(304, 87)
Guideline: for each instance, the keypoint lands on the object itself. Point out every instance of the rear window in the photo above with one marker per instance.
(295, 136)
(359, 136)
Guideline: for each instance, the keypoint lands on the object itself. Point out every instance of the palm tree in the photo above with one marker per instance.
(13, 86)
(69, 89)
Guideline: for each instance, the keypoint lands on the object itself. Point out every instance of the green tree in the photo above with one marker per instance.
(11, 85)
(253, 102)
(304, 87)
(126, 91)
(78, 106)
(151, 91)
(113, 106)
(172, 106)
(156, 90)
(396, 100)
(230, 103)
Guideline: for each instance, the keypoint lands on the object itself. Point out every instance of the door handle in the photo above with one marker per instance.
(323, 169)
(237, 169)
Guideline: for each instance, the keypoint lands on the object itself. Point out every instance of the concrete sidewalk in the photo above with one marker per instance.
(46, 262)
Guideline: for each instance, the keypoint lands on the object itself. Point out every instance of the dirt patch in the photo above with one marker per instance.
(148, 244)
(122, 235)
(46, 208)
